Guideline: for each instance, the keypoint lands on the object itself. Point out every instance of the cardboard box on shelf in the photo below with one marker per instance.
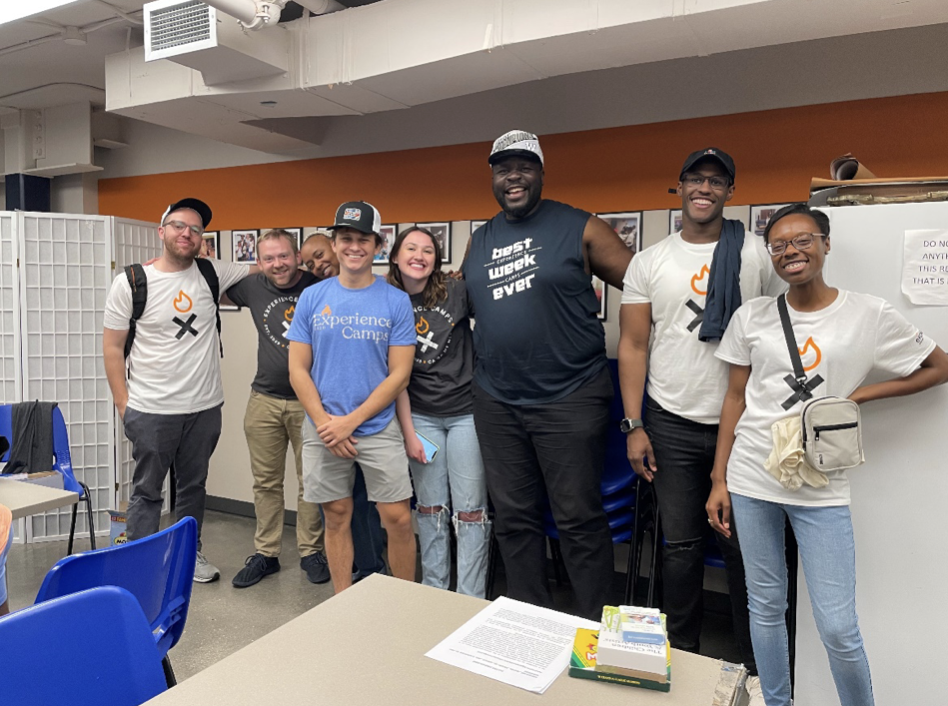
(117, 527)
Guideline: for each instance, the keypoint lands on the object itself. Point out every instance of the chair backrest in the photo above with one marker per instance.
(62, 461)
(85, 649)
(158, 570)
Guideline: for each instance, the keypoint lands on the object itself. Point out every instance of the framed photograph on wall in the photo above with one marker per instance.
(475, 225)
(298, 233)
(760, 216)
(674, 221)
(212, 245)
(441, 231)
(244, 244)
(600, 288)
(388, 233)
(627, 226)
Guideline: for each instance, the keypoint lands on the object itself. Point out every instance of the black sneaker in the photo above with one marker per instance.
(255, 568)
(316, 567)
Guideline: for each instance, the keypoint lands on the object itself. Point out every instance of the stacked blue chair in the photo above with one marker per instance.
(62, 463)
(158, 570)
(85, 649)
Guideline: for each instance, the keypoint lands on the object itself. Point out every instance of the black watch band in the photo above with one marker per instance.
(627, 426)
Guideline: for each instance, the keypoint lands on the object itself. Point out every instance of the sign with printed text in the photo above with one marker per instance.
(925, 267)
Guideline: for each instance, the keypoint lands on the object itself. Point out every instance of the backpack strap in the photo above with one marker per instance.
(135, 274)
(210, 276)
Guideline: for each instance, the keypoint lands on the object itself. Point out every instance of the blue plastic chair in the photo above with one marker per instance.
(158, 570)
(85, 649)
(62, 463)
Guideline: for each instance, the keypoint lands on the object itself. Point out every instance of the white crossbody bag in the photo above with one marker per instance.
(831, 426)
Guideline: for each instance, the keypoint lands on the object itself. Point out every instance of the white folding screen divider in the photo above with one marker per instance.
(135, 241)
(10, 380)
(65, 272)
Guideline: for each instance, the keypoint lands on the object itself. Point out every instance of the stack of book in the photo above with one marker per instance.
(631, 647)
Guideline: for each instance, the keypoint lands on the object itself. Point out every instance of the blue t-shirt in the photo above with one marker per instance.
(350, 331)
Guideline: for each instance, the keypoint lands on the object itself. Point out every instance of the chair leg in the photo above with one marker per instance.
(492, 551)
(656, 548)
(170, 679)
(88, 495)
(72, 528)
(635, 548)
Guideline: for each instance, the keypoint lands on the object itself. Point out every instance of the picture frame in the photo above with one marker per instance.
(244, 246)
(212, 240)
(388, 233)
(602, 294)
(628, 226)
(761, 215)
(229, 307)
(475, 225)
(441, 231)
(674, 220)
(298, 232)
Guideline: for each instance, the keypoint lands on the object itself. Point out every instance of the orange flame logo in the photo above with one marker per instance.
(326, 311)
(288, 314)
(422, 326)
(182, 302)
(810, 343)
(700, 277)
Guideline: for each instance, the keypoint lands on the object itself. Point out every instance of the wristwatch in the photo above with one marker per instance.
(626, 426)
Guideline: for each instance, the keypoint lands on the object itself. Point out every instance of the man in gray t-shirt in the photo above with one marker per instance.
(274, 416)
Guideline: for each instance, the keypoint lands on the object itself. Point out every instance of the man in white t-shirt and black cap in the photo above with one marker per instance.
(171, 402)
(677, 299)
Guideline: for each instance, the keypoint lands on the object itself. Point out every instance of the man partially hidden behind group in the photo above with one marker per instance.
(542, 387)
(171, 402)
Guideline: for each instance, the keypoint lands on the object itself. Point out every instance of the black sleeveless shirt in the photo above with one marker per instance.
(537, 337)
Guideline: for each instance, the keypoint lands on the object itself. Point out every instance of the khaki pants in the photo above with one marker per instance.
(270, 423)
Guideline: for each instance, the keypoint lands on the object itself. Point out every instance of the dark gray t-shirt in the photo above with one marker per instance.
(441, 376)
(272, 310)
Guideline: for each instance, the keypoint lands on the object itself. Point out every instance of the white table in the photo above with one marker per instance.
(366, 646)
(25, 499)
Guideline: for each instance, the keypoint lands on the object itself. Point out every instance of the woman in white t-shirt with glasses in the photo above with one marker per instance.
(842, 337)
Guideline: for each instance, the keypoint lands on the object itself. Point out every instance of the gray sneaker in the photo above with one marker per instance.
(205, 571)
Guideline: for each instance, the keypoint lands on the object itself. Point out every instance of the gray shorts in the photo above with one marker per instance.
(382, 456)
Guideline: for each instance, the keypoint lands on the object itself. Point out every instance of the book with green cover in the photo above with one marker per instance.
(582, 665)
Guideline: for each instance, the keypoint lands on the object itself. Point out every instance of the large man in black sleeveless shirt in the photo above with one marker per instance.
(541, 383)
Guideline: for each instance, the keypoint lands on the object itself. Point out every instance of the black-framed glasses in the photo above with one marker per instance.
(801, 241)
(180, 227)
(717, 183)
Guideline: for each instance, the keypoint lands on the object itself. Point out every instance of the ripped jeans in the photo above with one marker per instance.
(453, 481)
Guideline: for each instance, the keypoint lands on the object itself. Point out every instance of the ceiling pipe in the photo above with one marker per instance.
(321, 7)
(251, 14)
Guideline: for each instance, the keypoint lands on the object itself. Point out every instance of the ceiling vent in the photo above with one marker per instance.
(197, 36)
(173, 27)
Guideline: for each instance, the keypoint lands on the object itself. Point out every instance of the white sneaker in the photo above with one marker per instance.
(756, 697)
(205, 571)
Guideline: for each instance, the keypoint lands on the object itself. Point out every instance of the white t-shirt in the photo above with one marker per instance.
(842, 344)
(683, 375)
(174, 364)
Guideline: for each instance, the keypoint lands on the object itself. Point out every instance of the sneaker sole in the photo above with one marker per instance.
(210, 580)
(252, 583)
(325, 580)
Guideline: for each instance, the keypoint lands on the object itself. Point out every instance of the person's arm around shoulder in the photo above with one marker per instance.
(718, 506)
(607, 255)
(635, 325)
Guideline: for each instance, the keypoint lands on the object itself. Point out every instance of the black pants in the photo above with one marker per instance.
(554, 449)
(684, 454)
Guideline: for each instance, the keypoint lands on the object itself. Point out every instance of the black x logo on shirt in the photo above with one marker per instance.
(699, 314)
(801, 391)
(185, 326)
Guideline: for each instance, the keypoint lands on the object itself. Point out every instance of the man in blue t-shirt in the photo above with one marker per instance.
(352, 345)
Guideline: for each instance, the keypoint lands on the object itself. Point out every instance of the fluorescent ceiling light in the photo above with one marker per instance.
(11, 10)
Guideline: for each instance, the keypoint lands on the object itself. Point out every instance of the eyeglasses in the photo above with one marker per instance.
(180, 227)
(717, 183)
(801, 241)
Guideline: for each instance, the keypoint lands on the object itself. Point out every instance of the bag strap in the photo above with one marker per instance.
(791, 340)
(135, 274)
(210, 276)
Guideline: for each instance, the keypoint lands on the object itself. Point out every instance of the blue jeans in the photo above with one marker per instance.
(457, 470)
(828, 553)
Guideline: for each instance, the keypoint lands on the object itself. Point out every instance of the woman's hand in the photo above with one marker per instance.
(718, 508)
(415, 449)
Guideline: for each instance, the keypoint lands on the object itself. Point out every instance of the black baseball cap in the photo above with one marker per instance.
(196, 205)
(362, 216)
(720, 156)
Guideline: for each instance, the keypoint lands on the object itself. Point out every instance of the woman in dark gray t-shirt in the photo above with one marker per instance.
(438, 407)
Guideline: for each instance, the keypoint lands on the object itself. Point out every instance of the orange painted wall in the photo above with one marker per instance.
(615, 169)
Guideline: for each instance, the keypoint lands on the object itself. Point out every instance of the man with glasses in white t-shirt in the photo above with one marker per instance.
(171, 402)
